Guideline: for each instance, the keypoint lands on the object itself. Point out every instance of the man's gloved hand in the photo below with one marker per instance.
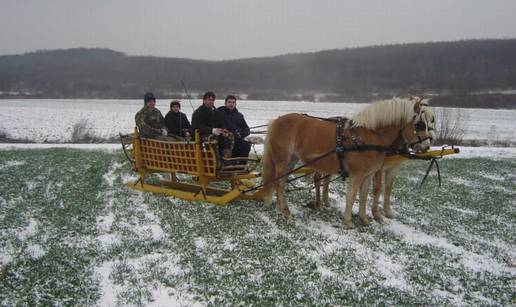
(164, 132)
(216, 131)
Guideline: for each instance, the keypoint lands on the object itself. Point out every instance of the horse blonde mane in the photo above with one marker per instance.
(385, 113)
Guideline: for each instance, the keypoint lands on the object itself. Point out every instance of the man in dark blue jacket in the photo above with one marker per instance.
(234, 122)
(209, 121)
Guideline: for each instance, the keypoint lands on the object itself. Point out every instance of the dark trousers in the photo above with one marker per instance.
(241, 148)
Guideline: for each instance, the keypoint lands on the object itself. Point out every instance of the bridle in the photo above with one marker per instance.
(422, 129)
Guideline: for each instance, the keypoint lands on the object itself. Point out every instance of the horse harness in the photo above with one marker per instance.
(344, 125)
(346, 133)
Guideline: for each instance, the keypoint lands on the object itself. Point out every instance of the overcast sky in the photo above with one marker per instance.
(230, 29)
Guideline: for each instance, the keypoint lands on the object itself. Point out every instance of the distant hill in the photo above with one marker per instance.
(473, 73)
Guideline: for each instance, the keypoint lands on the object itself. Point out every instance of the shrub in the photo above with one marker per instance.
(81, 133)
(450, 125)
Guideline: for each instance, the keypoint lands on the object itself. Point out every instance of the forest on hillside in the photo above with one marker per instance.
(472, 73)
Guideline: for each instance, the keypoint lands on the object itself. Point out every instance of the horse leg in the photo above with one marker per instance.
(281, 205)
(326, 185)
(364, 189)
(389, 180)
(317, 183)
(353, 185)
(377, 188)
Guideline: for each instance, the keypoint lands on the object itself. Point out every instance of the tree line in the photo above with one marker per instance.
(471, 73)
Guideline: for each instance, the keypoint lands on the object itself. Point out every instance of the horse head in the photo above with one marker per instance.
(423, 133)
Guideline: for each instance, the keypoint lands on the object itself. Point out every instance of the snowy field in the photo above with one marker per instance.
(71, 232)
(53, 120)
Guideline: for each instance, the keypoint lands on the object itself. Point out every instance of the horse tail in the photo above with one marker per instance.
(269, 169)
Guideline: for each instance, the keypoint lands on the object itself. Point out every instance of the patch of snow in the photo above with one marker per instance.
(110, 176)
(35, 251)
(228, 244)
(169, 297)
(471, 261)
(11, 163)
(492, 177)
(7, 254)
(129, 178)
(104, 222)
(463, 211)
(484, 152)
(108, 239)
(456, 299)
(108, 289)
(338, 238)
(104, 147)
(465, 182)
(273, 228)
(157, 232)
(28, 231)
(200, 244)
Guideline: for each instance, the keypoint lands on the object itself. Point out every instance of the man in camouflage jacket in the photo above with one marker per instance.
(149, 120)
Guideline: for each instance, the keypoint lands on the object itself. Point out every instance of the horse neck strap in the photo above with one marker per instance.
(342, 124)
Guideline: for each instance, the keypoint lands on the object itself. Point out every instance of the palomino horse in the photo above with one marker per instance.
(295, 137)
(424, 134)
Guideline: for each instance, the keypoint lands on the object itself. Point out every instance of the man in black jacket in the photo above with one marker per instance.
(234, 122)
(206, 119)
(209, 121)
(176, 121)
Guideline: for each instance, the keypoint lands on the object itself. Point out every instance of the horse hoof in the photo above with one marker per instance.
(364, 221)
(348, 225)
(284, 212)
(378, 218)
(290, 220)
(312, 204)
(389, 214)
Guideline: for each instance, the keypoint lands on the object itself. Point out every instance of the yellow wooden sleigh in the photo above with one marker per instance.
(199, 160)
(203, 168)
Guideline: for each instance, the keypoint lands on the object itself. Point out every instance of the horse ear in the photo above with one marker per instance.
(417, 107)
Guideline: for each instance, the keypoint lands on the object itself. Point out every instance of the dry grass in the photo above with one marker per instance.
(81, 134)
(450, 125)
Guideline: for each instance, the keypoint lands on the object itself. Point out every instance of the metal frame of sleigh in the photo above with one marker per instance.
(196, 171)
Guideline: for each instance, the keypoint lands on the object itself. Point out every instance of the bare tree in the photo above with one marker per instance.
(450, 125)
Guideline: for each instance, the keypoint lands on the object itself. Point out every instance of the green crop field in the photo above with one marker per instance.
(72, 233)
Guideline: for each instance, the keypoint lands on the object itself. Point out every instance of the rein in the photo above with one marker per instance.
(292, 171)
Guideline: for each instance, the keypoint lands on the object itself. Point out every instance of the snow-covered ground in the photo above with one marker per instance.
(52, 120)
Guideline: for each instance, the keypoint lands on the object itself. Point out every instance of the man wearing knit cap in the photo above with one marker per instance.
(149, 120)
